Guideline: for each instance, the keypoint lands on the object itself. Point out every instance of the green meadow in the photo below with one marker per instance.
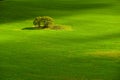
(90, 51)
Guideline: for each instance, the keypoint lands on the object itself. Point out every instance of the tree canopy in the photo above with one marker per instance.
(43, 22)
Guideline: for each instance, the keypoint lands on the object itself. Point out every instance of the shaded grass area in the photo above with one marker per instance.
(30, 9)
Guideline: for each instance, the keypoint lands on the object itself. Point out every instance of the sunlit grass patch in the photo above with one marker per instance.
(110, 54)
(60, 27)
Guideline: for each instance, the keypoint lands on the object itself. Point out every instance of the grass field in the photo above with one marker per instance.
(91, 51)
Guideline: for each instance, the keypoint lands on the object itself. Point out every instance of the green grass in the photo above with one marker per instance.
(90, 52)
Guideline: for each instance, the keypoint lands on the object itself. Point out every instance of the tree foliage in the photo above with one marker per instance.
(43, 22)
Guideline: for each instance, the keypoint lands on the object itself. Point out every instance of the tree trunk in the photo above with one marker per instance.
(38, 24)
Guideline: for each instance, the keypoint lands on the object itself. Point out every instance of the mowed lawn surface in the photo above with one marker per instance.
(91, 51)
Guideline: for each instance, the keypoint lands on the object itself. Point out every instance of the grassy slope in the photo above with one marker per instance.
(90, 52)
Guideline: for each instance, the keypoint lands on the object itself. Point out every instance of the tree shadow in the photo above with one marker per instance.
(31, 28)
(21, 10)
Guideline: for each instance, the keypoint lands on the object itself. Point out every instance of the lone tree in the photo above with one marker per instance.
(43, 22)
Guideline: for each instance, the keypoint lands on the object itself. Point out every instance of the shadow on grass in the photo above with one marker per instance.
(99, 38)
(31, 28)
(21, 10)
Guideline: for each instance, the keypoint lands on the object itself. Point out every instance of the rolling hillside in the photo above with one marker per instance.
(91, 51)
